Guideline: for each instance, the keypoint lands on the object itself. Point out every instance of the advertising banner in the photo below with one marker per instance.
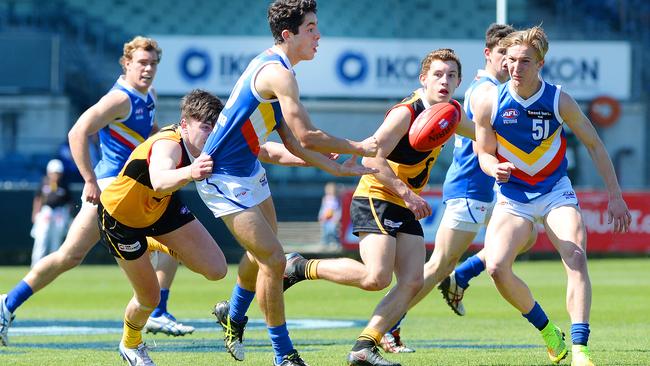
(381, 68)
(600, 238)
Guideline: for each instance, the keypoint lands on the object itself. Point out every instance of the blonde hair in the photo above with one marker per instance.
(139, 42)
(533, 37)
(442, 54)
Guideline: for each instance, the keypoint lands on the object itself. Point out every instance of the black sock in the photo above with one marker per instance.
(363, 343)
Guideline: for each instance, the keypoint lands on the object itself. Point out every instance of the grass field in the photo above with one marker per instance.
(492, 333)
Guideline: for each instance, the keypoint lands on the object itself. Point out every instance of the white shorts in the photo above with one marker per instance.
(562, 194)
(102, 183)
(227, 194)
(466, 214)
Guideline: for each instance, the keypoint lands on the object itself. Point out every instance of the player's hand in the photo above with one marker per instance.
(618, 213)
(351, 168)
(369, 147)
(502, 171)
(201, 167)
(91, 192)
(417, 205)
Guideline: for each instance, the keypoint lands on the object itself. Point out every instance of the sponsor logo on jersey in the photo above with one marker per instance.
(536, 114)
(392, 224)
(129, 247)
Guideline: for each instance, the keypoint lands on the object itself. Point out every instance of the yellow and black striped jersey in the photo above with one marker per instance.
(409, 165)
(130, 199)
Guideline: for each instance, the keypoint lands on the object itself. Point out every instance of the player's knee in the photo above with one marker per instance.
(377, 282)
(215, 273)
(577, 260)
(497, 270)
(274, 263)
(147, 302)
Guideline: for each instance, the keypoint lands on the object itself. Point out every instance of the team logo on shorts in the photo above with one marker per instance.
(480, 207)
(242, 193)
(184, 210)
(263, 180)
(129, 247)
(392, 224)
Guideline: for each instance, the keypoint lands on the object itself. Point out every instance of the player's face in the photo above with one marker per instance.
(441, 81)
(141, 69)
(197, 134)
(497, 59)
(523, 65)
(305, 42)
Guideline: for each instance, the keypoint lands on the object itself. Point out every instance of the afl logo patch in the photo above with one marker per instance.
(510, 116)
(510, 113)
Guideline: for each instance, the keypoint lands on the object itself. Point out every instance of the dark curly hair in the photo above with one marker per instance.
(288, 14)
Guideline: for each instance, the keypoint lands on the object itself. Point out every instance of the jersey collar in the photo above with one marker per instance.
(123, 83)
(481, 73)
(533, 98)
(284, 58)
(426, 104)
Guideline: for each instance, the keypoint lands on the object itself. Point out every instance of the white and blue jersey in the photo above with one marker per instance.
(246, 121)
(119, 138)
(530, 135)
(465, 179)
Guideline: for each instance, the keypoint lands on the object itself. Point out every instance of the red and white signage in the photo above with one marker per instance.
(600, 238)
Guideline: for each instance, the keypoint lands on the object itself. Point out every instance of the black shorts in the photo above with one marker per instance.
(382, 217)
(130, 243)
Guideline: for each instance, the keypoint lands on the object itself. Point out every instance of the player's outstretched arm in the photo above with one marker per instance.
(583, 129)
(114, 105)
(466, 126)
(165, 157)
(348, 168)
(275, 153)
(276, 81)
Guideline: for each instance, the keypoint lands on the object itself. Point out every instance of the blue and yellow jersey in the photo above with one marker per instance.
(246, 121)
(465, 179)
(530, 136)
(409, 165)
(120, 137)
